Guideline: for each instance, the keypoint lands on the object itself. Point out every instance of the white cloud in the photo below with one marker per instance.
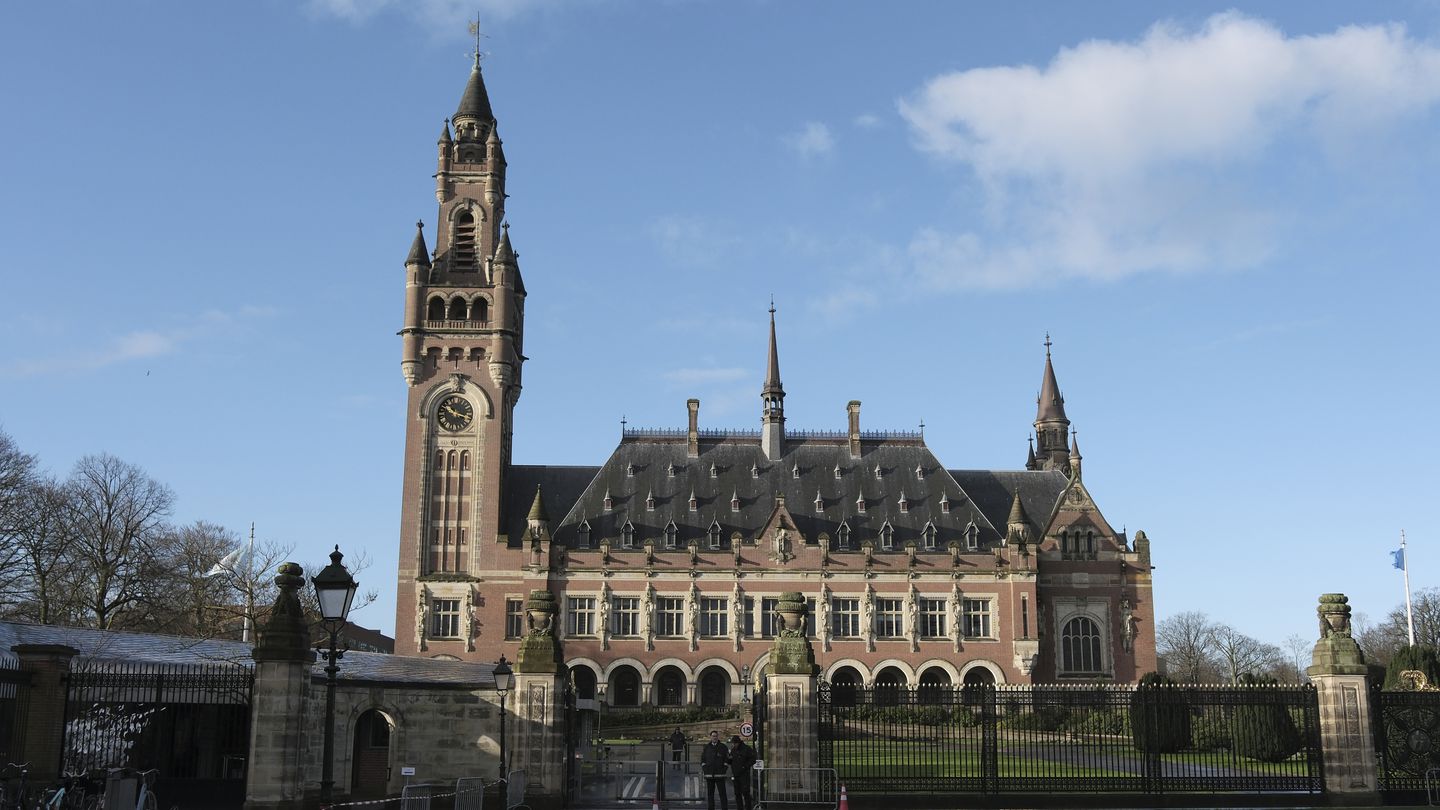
(867, 121)
(1125, 157)
(692, 241)
(442, 16)
(812, 141)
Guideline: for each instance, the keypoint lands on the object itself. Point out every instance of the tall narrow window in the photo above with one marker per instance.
(714, 616)
(842, 537)
(436, 310)
(749, 629)
(650, 502)
(932, 618)
(714, 535)
(769, 623)
(582, 535)
(945, 504)
(514, 618)
(904, 504)
(819, 503)
(669, 616)
(972, 537)
(887, 536)
(627, 535)
(845, 617)
(888, 620)
(480, 310)
(671, 535)
(625, 619)
(929, 535)
(463, 256)
(1080, 646)
(457, 309)
(975, 616)
(1024, 615)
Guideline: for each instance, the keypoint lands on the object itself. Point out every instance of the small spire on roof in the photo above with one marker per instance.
(418, 254)
(537, 509)
(504, 253)
(445, 132)
(1017, 512)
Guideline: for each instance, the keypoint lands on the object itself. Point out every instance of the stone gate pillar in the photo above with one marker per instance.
(279, 722)
(44, 732)
(536, 710)
(792, 721)
(1339, 671)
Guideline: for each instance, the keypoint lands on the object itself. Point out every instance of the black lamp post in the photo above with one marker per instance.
(335, 589)
(504, 678)
(745, 684)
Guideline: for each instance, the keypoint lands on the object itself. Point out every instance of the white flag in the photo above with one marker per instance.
(227, 563)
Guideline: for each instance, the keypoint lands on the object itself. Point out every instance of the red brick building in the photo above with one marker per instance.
(666, 559)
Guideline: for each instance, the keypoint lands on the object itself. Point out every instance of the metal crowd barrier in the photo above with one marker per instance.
(515, 789)
(795, 786)
(469, 793)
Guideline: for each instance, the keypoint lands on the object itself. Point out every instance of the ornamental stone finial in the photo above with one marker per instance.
(285, 636)
(1336, 653)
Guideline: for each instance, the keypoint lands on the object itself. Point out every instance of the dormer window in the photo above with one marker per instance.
(714, 471)
(650, 502)
(669, 470)
(842, 536)
(734, 502)
(887, 536)
(929, 534)
(945, 504)
(629, 470)
(694, 502)
(837, 472)
(795, 471)
(609, 501)
(972, 537)
(714, 534)
(582, 535)
(671, 533)
(904, 504)
(754, 470)
(860, 504)
(819, 503)
(627, 535)
(920, 472)
(879, 473)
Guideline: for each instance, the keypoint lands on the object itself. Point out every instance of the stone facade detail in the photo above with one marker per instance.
(1341, 675)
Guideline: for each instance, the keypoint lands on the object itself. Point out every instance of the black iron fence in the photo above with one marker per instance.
(1407, 740)
(14, 699)
(192, 722)
(1071, 739)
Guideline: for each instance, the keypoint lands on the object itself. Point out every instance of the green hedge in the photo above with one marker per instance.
(1159, 716)
(1265, 731)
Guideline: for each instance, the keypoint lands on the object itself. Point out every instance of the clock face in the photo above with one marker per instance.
(454, 414)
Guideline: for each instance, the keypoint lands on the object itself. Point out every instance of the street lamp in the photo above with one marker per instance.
(504, 678)
(335, 590)
(745, 683)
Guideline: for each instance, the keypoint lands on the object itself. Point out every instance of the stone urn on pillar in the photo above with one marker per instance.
(792, 653)
(540, 648)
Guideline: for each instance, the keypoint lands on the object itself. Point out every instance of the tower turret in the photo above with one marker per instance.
(1051, 425)
(417, 275)
(772, 398)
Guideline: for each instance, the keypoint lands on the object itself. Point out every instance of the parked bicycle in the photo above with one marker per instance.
(77, 791)
(13, 790)
(145, 798)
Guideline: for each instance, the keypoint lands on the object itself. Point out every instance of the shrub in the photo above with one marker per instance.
(1210, 731)
(1159, 716)
(1264, 731)
(1423, 658)
(1100, 721)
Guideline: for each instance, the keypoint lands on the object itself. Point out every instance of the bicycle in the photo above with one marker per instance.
(13, 796)
(76, 792)
(146, 800)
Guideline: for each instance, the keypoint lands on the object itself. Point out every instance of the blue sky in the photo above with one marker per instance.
(1224, 217)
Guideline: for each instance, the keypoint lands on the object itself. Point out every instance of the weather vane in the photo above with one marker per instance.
(475, 32)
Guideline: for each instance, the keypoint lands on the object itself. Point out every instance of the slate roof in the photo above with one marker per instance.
(101, 646)
(994, 491)
(562, 487)
(643, 466)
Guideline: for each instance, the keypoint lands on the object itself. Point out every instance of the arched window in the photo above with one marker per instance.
(479, 310)
(582, 535)
(1080, 646)
(463, 255)
(436, 310)
(457, 309)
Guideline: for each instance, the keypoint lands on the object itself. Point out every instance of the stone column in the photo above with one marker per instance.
(791, 723)
(279, 720)
(1339, 671)
(536, 708)
(48, 665)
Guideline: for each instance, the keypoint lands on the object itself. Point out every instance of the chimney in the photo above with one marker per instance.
(693, 405)
(854, 410)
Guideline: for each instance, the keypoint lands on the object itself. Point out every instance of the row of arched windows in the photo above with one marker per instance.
(458, 309)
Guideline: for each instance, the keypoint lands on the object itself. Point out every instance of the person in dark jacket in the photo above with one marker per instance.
(677, 747)
(713, 763)
(742, 759)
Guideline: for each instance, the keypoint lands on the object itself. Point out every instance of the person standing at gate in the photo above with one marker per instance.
(742, 759)
(677, 748)
(713, 763)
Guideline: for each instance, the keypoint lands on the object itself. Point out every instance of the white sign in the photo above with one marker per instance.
(746, 730)
(407, 770)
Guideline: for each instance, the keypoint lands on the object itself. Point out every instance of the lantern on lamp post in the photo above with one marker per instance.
(335, 590)
(504, 679)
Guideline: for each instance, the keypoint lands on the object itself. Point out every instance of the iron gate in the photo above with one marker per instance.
(14, 699)
(1093, 738)
(1407, 739)
(190, 722)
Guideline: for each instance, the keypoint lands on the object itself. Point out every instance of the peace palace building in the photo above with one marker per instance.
(666, 560)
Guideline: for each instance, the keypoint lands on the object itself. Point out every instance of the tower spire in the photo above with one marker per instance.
(1052, 426)
(772, 397)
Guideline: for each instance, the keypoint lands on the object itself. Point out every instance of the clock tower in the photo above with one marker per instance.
(461, 359)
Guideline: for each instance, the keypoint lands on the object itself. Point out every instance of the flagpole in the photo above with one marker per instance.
(250, 595)
(1409, 614)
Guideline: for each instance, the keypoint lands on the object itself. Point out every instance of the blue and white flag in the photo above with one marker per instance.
(1398, 556)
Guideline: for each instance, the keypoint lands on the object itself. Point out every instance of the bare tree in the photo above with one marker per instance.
(1299, 649)
(1186, 642)
(17, 473)
(116, 522)
(198, 602)
(1239, 654)
(41, 542)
